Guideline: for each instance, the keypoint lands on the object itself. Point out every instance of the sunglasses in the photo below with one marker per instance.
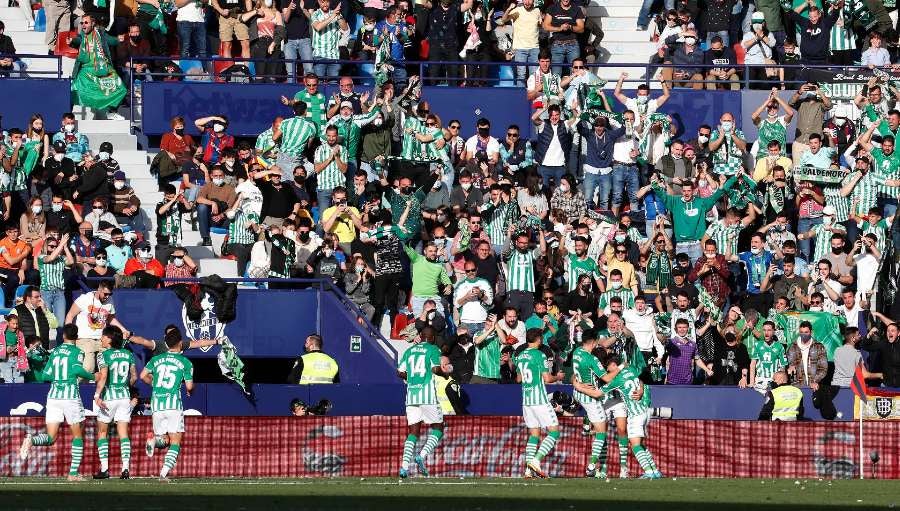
(621, 252)
(430, 124)
(577, 67)
(454, 126)
(475, 223)
(512, 135)
(471, 270)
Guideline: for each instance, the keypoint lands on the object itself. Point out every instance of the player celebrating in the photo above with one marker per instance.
(417, 366)
(533, 371)
(166, 373)
(113, 398)
(63, 369)
(628, 383)
(586, 369)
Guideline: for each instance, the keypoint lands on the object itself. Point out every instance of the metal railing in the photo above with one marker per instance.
(26, 73)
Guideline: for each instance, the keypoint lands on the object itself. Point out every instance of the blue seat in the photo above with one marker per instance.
(187, 64)
(314, 211)
(5, 312)
(20, 291)
(218, 230)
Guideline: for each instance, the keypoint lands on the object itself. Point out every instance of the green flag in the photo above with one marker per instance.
(231, 364)
(826, 328)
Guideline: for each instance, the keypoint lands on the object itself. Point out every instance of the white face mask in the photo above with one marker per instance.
(70, 128)
(465, 186)
(755, 250)
(36, 209)
(103, 156)
(218, 128)
(328, 252)
(218, 181)
(97, 211)
(840, 121)
(642, 99)
(144, 254)
(757, 26)
(360, 268)
(815, 308)
(179, 261)
(690, 41)
(59, 156)
(619, 237)
(119, 185)
(727, 126)
(378, 121)
(702, 139)
(370, 26)
(56, 208)
(101, 263)
(616, 284)
(564, 188)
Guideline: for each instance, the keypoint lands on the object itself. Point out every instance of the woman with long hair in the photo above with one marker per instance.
(531, 198)
(268, 27)
(38, 135)
(33, 222)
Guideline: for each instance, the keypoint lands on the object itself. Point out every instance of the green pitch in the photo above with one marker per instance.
(438, 494)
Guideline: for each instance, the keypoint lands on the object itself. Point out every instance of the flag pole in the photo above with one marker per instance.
(861, 455)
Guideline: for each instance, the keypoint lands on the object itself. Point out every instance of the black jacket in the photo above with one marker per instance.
(889, 354)
(27, 323)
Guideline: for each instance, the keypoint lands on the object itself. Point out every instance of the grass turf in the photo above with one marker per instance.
(451, 494)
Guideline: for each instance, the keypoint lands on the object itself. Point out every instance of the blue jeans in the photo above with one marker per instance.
(473, 328)
(399, 77)
(55, 301)
(691, 248)
(625, 176)
(287, 163)
(300, 49)
(804, 225)
(324, 199)
(644, 13)
(327, 71)
(889, 206)
(204, 218)
(522, 72)
(546, 172)
(563, 54)
(593, 182)
(723, 34)
(193, 39)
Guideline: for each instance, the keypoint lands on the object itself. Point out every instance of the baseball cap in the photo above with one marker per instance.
(346, 104)
(143, 245)
(106, 147)
(119, 176)
(758, 17)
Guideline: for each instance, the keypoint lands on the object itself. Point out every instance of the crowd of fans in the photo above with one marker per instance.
(687, 248)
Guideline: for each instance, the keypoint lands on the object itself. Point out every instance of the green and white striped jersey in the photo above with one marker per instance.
(865, 192)
(265, 144)
(531, 365)
(412, 149)
(520, 271)
(842, 36)
(887, 167)
(63, 369)
(239, 229)
(169, 371)
(768, 131)
(52, 273)
(576, 267)
(625, 293)
(417, 362)
(325, 42)
(587, 369)
(879, 229)
(725, 236)
(840, 203)
(331, 176)
(315, 109)
(626, 381)
(487, 357)
(296, 133)
(769, 358)
(349, 129)
(498, 219)
(822, 246)
(118, 364)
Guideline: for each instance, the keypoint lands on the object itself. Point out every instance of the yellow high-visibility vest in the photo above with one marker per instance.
(787, 403)
(318, 368)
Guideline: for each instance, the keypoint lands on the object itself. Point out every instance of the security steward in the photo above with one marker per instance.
(784, 402)
(314, 367)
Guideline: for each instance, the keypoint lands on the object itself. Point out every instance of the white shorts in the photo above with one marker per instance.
(168, 421)
(117, 410)
(429, 414)
(70, 411)
(637, 425)
(539, 416)
(615, 411)
(594, 411)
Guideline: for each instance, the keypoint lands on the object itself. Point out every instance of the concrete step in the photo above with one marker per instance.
(20, 37)
(31, 48)
(133, 158)
(629, 52)
(612, 11)
(104, 126)
(8, 14)
(222, 267)
(624, 35)
(619, 23)
(17, 24)
(118, 140)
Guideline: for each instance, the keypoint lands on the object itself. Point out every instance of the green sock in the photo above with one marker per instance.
(161, 441)
(431, 442)
(408, 447)
(125, 445)
(547, 445)
(170, 460)
(42, 439)
(623, 453)
(643, 457)
(598, 448)
(77, 453)
(531, 447)
(103, 453)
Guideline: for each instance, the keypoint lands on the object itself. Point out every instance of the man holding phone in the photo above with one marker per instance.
(811, 104)
(338, 219)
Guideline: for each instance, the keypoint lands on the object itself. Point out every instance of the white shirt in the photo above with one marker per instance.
(473, 311)
(643, 326)
(648, 108)
(94, 316)
(191, 12)
(517, 331)
(493, 146)
(866, 272)
(554, 157)
(623, 147)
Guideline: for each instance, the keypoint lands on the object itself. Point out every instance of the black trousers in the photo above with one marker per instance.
(242, 253)
(385, 294)
(441, 72)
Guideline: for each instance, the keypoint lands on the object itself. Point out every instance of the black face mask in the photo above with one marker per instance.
(135, 38)
(406, 190)
(837, 250)
(484, 131)
(304, 236)
(718, 53)
(299, 180)
(179, 131)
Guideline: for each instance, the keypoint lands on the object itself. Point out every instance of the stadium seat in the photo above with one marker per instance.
(20, 291)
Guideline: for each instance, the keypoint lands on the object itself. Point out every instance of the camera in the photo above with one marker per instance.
(299, 407)
(563, 403)
(661, 412)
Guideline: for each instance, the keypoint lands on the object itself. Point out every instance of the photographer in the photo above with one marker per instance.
(299, 408)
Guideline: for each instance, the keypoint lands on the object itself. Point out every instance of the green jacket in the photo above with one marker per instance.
(689, 218)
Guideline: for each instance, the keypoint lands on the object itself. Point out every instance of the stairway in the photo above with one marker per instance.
(622, 42)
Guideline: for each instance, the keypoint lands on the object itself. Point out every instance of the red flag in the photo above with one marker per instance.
(858, 383)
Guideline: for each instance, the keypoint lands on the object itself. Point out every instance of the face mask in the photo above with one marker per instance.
(755, 251)
(710, 255)
(346, 117)
(757, 26)
(586, 287)
(465, 186)
(144, 254)
(642, 100)
(59, 156)
(702, 139)
(267, 3)
(36, 209)
(328, 252)
(97, 211)
(360, 268)
(442, 218)
(620, 238)
(670, 23)
(805, 337)
(690, 41)
(119, 185)
(102, 156)
(727, 126)
(304, 236)
(119, 243)
(101, 263)
(70, 128)
(228, 163)
(616, 284)
(840, 121)
(56, 208)
(218, 181)
(836, 250)
(178, 262)
(369, 27)
(406, 190)
(179, 131)
(564, 188)
(89, 234)
(484, 132)
(218, 128)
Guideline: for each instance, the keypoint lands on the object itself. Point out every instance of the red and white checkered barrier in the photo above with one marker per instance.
(471, 447)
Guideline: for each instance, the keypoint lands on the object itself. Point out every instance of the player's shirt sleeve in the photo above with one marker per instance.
(435, 356)
(188, 370)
